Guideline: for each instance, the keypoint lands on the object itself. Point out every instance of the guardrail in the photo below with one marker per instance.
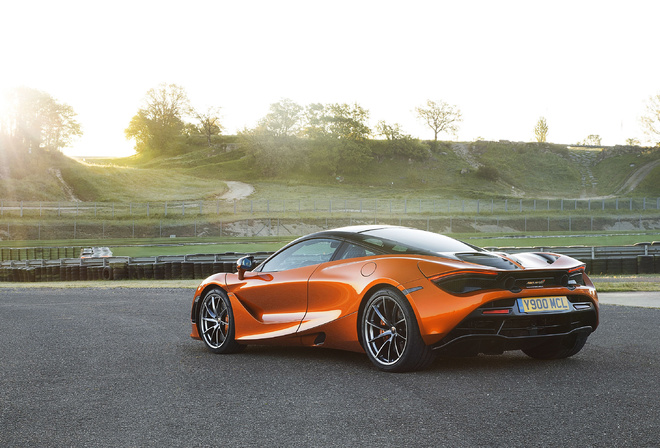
(168, 267)
(613, 260)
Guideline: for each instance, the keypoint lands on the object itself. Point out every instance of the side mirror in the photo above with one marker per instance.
(243, 265)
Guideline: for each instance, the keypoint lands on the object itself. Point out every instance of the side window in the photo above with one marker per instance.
(353, 251)
(305, 253)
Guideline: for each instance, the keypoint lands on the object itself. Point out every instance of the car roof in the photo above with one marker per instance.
(349, 230)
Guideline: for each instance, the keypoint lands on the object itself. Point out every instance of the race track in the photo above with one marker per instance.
(116, 367)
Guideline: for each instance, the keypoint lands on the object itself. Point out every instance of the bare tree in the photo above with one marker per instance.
(209, 122)
(440, 117)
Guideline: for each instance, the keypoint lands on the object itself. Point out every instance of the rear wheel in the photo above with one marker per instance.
(216, 323)
(558, 349)
(390, 334)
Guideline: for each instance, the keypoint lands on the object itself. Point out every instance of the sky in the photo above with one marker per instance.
(586, 66)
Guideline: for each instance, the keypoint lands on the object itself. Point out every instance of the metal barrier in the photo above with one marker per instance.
(168, 267)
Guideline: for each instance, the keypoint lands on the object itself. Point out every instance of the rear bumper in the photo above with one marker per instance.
(474, 344)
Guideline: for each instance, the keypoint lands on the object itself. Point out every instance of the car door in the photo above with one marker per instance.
(276, 294)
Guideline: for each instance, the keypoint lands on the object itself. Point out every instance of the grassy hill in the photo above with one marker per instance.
(452, 170)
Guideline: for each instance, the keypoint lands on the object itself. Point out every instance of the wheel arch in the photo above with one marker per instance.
(365, 298)
(199, 295)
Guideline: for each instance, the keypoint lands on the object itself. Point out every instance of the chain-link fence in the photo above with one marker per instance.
(217, 228)
(328, 207)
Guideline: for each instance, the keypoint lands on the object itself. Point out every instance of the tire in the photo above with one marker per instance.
(216, 323)
(390, 334)
(106, 273)
(558, 349)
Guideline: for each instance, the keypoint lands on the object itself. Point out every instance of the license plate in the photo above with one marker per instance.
(543, 304)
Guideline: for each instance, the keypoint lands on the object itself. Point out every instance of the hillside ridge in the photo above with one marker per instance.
(452, 170)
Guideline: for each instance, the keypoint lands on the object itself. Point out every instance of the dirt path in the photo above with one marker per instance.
(65, 187)
(237, 191)
(637, 177)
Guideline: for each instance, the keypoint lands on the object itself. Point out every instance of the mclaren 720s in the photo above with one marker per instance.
(402, 296)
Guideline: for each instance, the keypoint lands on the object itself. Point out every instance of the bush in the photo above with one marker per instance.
(488, 173)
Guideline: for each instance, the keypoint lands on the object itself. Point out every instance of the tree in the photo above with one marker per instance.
(157, 125)
(398, 143)
(440, 117)
(591, 140)
(284, 118)
(632, 142)
(347, 122)
(389, 131)
(651, 121)
(35, 120)
(314, 121)
(541, 130)
(209, 122)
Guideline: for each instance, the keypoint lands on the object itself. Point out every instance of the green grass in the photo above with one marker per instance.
(544, 239)
(626, 283)
(148, 247)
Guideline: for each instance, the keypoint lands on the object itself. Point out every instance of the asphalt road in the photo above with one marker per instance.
(116, 367)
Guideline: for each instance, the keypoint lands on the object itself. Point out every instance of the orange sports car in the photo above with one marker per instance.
(402, 296)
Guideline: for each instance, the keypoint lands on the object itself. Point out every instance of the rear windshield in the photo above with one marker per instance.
(403, 240)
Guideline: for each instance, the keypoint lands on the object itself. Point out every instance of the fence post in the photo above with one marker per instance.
(147, 209)
(22, 209)
(165, 208)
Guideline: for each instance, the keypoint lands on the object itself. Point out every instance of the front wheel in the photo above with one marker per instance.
(390, 334)
(216, 323)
